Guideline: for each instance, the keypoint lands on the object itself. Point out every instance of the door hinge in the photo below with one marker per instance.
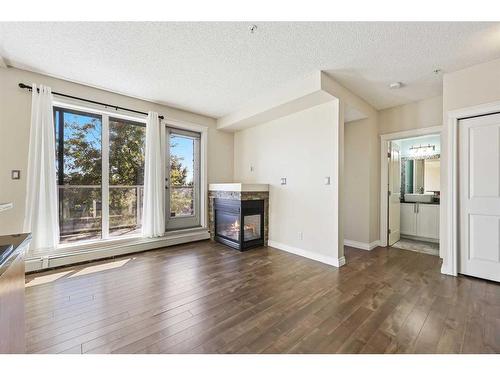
(389, 193)
(388, 231)
(389, 154)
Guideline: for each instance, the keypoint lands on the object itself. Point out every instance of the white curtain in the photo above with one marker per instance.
(153, 213)
(41, 217)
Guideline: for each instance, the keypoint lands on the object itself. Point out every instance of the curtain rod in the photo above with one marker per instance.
(23, 86)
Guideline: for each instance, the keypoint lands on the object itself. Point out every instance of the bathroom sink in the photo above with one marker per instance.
(421, 198)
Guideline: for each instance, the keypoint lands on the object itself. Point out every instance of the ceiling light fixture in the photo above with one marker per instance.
(395, 85)
(253, 29)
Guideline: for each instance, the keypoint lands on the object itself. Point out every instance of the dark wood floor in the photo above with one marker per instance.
(206, 298)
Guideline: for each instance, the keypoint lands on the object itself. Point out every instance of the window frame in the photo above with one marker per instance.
(174, 236)
(105, 117)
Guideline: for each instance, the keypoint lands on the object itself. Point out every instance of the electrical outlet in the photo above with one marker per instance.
(300, 235)
(283, 180)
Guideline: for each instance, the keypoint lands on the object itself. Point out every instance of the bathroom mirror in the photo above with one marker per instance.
(419, 176)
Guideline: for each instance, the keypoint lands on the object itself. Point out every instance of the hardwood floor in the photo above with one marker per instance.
(206, 298)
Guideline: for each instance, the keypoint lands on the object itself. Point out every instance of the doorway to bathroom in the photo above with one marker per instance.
(414, 193)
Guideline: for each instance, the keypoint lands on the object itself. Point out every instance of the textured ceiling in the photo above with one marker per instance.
(215, 68)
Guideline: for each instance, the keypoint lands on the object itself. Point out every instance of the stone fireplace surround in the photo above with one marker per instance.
(238, 191)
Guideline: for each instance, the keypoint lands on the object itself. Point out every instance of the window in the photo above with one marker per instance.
(181, 176)
(79, 174)
(126, 176)
(100, 189)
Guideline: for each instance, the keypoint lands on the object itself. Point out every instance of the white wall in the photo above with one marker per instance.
(15, 107)
(475, 85)
(301, 148)
(422, 114)
(361, 181)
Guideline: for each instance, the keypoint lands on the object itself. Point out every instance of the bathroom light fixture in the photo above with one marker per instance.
(395, 85)
(422, 150)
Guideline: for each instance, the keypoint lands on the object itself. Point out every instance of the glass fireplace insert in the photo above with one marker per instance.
(239, 224)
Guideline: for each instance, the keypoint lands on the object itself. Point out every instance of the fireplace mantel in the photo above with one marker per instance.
(238, 186)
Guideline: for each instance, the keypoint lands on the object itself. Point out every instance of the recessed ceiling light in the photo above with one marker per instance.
(395, 85)
(253, 29)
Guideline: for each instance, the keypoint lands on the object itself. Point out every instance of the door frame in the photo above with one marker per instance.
(384, 172)
(183, 222)
(391, 198)
(203, 130)
(450, 253)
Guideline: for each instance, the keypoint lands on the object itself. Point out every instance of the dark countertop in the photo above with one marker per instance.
(16, 240)
(434, 203)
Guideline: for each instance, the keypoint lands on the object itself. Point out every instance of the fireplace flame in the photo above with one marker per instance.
(236, 225)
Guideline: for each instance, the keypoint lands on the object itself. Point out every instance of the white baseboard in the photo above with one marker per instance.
(105, 251)
(332, 261)
(362, 245)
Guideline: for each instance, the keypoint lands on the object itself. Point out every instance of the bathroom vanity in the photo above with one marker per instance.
(420, 220)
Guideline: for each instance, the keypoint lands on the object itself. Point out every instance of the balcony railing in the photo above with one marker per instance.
(80, 210)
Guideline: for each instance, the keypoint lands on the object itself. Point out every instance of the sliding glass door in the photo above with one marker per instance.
(183, 179)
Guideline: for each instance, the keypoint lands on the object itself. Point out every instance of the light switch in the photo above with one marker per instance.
(251, 168)
(327, 180)
(283, 180)
(16, 174)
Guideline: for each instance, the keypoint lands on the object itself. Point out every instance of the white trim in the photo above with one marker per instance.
(203, 130)
(3, 63)
(450, 254)
(97, 109)
(237, 186)
(108, 249)
(332, 261)
(105, 177)
(384, 172)
(362, 245)
(6, 206)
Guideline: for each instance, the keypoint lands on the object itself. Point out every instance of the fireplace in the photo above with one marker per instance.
(239, 223)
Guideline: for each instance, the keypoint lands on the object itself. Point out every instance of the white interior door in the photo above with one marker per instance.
(479, 197)
(394, 193)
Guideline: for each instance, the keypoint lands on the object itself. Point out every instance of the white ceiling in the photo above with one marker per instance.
(215, 68)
